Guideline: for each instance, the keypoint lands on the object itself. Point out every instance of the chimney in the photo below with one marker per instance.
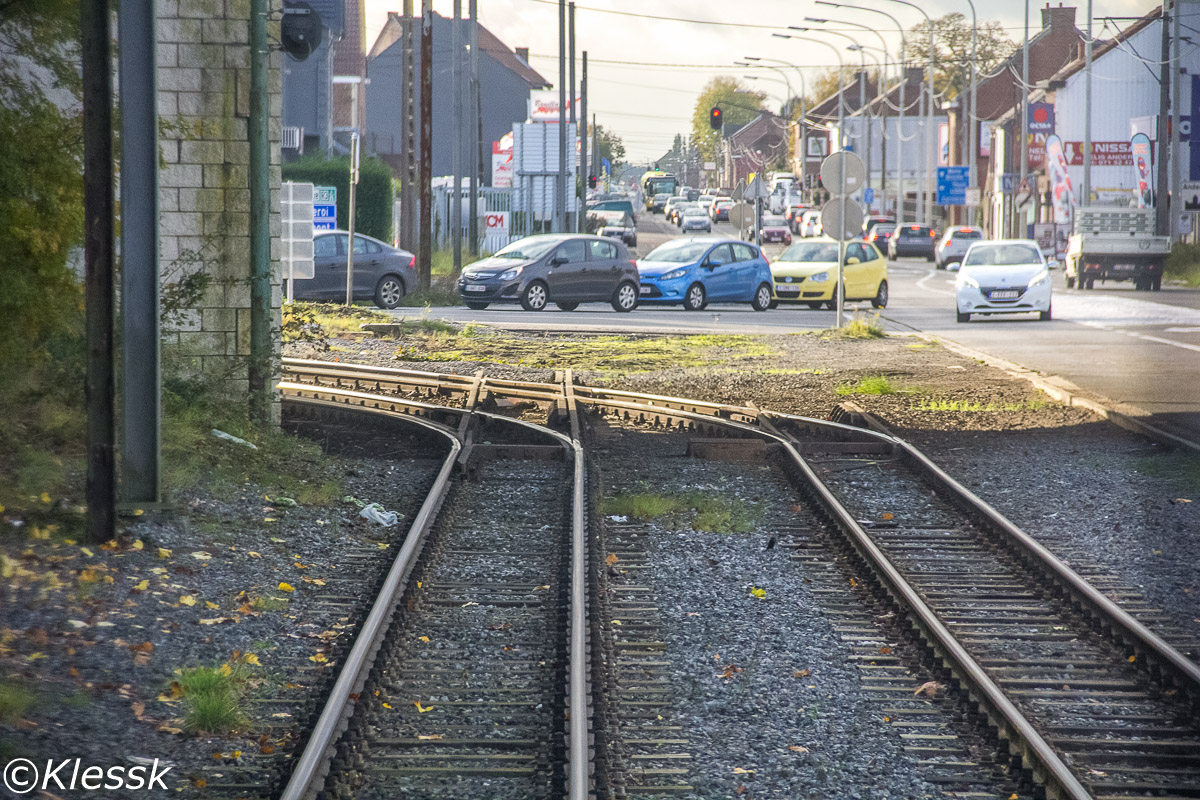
(522, 53)
(1058, 18)
(914, 75)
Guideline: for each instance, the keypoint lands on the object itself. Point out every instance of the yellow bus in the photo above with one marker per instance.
(655, 181)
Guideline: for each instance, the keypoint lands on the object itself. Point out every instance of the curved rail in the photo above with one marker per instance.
(750, 421)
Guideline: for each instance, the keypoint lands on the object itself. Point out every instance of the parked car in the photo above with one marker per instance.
(565, 269)
(660, 200)
(774, 229)
(694, 219)
(623, 228)
(810, 223)
(1008, 276)
(913, 240)
(807, 273)
(720, 209)
(953, 246)
(876, 219)
(880, 235)
(382, 273)
(625, 205)
(695, 271)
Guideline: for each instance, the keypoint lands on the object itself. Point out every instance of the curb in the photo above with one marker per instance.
(1067, 393)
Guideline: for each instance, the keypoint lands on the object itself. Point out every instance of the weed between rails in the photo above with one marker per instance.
(701, 511)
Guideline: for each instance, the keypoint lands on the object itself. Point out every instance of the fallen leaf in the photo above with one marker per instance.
(286, 587)
(386, 705)
(929, 689)
(319, 658)
(757, 592)
(1132, 659)
(423, 639)
(139, 708)
(853, 582)
(164, 552)
(217, 620)
(187, 600)
(251, 659)
(800, 673)
(253, 554)
(144, 647)
(171, 729)
(137, 545)
(210, 604)
(77, 623)
(611, 559)
(795, 748)
(740, 771)
(422, 709)
(887, 515)
(885, 650)
(282, 715)
(543, 587)
(430, 736)
(200, 555)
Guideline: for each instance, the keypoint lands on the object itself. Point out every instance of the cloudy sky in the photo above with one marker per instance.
(645, 73)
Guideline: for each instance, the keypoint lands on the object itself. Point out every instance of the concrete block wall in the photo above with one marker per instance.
(204, 196)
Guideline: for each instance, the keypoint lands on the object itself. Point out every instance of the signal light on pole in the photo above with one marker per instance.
(714, 118)
(591, 181)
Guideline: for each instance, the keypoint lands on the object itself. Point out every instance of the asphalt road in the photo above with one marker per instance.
(1141, 349)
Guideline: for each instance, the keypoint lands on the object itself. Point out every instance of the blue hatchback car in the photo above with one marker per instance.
(696, 271)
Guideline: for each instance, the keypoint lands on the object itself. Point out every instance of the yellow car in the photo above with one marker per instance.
(807, 273)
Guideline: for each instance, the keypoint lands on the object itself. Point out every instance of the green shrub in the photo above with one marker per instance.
(1184, 263)
(373, 198)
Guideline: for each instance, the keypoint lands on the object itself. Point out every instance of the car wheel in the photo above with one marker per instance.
(961, 317)
(625, 298)
(389, 291)
(534, 297)
(1156, 283)
(762, 297)
(567, 306)
(475, 305)
(816, 306)
(1070, 283)
(774, 305)
(881, 296)
(938, 265)
(1090, 284)
(694, 300)
(1045, 316)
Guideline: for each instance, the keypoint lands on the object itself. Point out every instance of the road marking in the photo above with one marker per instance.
(933, 273)
(1182, 330)
(1160, 340)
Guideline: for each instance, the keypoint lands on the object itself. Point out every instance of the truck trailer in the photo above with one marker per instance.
(1111, 243)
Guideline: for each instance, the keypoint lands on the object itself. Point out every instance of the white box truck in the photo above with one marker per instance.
(1111, 243)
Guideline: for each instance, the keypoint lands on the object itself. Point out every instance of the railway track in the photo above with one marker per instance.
(1084, 699)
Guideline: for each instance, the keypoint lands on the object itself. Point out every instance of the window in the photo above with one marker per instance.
(720, 256)
(373, 247)
(326, 246)
(572, 252)
(744, 252)
(360, 246)
(602, 251)
(856, 250)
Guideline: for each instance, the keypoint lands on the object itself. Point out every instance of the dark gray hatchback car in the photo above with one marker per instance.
(564, 269)
(382, 273)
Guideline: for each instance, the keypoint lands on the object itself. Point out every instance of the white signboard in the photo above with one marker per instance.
(496, 223)
(502, 162)
(296, 218)
(543, 106)
(973, 197)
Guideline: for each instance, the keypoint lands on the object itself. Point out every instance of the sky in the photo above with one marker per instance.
(645, 74)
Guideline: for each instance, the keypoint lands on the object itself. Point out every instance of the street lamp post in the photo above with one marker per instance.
(841, 78)
(803, 92)
(903, 101)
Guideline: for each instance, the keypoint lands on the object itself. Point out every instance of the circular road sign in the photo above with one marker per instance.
(838, 227)
(843, 173)
(742, 215)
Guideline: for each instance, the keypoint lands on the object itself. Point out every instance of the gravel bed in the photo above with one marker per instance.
(98, 633)
(742, 726)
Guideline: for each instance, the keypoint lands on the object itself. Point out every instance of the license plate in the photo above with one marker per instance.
(1007, 294)
(787, 290)
(1123, 267)
(475, 287)
(643, 290)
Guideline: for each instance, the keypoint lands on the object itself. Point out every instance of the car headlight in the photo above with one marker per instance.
(508, 275)
(820, 277)
(1041, 277)
(967, 280)
(673, 274)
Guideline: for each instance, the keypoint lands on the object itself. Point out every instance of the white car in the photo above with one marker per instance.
(1005, 276)
(810, 223)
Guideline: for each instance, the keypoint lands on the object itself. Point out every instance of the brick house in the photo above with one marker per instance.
(760, 144)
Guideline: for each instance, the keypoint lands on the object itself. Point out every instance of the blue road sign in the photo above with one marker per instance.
(1008, 182)
(869, 195)
(324, 225)
(952, 183)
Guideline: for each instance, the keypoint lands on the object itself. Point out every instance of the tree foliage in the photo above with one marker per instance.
(739, 105)
(609, 145)
(41, 186)
(373, 197)
(952, 50)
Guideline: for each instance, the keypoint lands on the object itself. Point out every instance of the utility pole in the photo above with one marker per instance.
(96, 54)
(1176, 193)
(409, 212)
(1162, 220)
(260, 214)
(456, 139)
(1087, 111)
(560, 182)
(425, 181)
(141, 406)
(584, 164)
(476, 125)
(595, 147)
(1024, 132)
(573, 190)
(354, 149)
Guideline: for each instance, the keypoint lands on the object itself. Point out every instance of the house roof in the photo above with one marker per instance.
(488, 43)
(1099, 50)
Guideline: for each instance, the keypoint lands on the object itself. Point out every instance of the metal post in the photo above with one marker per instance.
(425, 181)
(972, 121)
(841, 270)
(261, 343)
(1087, 110)
(141, 406)
(584, 162)
(476, 158)
(96, 55)
(408, 137)
(354, 151)
(1023, 134)
(560, 180)
(572, 185)
(1161, 217)
(930, 138)
(456, 140)
(1176, 189)
(900, 143)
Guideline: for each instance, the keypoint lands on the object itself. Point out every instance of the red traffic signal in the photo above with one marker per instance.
(714, 118)
(591, 181)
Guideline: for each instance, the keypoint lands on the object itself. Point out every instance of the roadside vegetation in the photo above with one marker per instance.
(707, 510)
(1183, 264)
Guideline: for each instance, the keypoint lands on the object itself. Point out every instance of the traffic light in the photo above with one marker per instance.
(714, 118)
(591, 181)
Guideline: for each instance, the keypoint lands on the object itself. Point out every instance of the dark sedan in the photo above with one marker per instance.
(564, 269)
(913, 240)
(880, 235)
(382, 273)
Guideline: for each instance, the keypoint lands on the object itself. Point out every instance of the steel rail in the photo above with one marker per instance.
(578, 683)
(312, 766)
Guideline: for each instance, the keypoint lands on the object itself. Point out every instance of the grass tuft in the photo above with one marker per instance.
(965, 405)
(701, 511)
(268, 603)
(862, 326)
(875, 384)
(213, 696)
(15, 701)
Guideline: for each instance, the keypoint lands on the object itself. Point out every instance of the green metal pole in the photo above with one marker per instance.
(260, 215)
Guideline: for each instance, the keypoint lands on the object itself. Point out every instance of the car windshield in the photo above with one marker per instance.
(811, 251)
(773, 222)
(914, 231)
(527, 249)
(1001, 255)
(882, 229)
(693, 212)
(965, 235)
(678, 252)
